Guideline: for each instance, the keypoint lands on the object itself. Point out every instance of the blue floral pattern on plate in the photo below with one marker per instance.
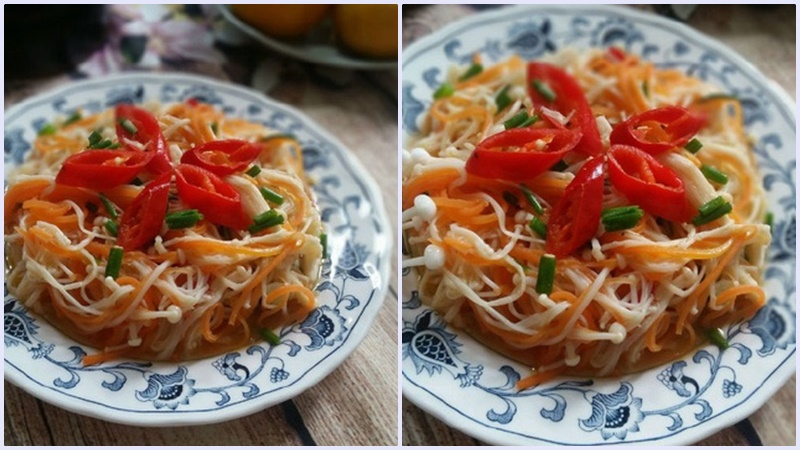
(351, 290)
(472, 388)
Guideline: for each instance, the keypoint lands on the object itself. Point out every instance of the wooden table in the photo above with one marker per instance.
(765, 37)
(357, 403)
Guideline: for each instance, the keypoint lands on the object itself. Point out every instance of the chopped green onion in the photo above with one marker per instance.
(645, 90)
(266, 220)
(270, 337)
(323, 239)
(517, 120)
(271, 196)
(47, 129)
(115, 145)
(503, 100)
(712, 211)
(717, 337)
(538, 226)
(253, 171)
(74, 117)
(445, 90)
(99, 142)
(112, 227)
(768, 219)
(214, 128)
(95, 137)
(183, 219)
(511, 199)
(621, 218)
(128, 126)
(114, 262)
(278, 136)
(473, 70)
(529, 121)
(544, 90)
(718, 96)
(713, 174)
(693, 146)
(112, 211)
(547, 274)
(532, 199)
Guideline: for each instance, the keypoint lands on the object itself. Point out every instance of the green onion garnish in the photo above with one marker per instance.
(47, 129)
(270, 195)
(511, 199)
(473, 70)
(253, 171)
(503, 100)
(115, 145)
(517, 120)
(74, 117)
(112, 211)
(114, 262)
(112, 227)
(538, 226)
(95, 137)
(278, 136)
(445, 90)
(265, 220)
(693, 146)
(544, 90)
(769, 218)
(714, 174)
(323, 239)
(214, 128)
(529, 121)
(128, 126)
(269, 336)
(717, 337)
(532, 199)
(183, 219)
(547, 274)
(712, 211)
(645, 90)
(621, 218)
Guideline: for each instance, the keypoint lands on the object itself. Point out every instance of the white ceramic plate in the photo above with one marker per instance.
(317, 48)
(471, 388)
(43, 362)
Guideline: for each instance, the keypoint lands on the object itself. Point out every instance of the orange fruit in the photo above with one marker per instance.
(282, 21)
(367, 30)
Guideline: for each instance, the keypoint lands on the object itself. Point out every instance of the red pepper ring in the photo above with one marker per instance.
(218, 201)
(576, 215)
(102, 169)
(648, 183)
(658, 130)
(147, 132)
(515, 154)
(223, 157)
(141, 221)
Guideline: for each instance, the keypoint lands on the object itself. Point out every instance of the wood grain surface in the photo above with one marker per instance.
(357, 404)
(765, 36)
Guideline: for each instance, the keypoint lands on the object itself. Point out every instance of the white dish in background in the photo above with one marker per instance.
(471, 388)
(42, 361)
(318, 47)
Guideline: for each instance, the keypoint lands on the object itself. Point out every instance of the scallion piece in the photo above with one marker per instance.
(253, 171)
(769, 218)
(269, 336)
(115, 145)
(710, 206)
(94, 138)
(214, 128)
(112, 227)
(47, 129)
(128, 126)
(112, 211)
(547, 274)
(529, 121)
(544, 90)
(713, 174)
(183, 219)
(104, 143)
(74, 117)
(531, 199)
(517, 120)
(717, 337)
(503, 100)
(265, 220)
(114, 263)
(621, 218)
(645, 89)
(473, 70)
(511, 199)
(278, 136)
(323, 240)
(271, 196)
(693, 146)
(445, 90)
(712, 211)
(539, 227)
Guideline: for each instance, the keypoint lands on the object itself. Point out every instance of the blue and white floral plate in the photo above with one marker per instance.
(471, 388)
(48, 365)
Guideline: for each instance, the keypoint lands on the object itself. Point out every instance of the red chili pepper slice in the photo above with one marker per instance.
(217, 200)
(148, 132)
(576, 215)
(616, 53)
(520, 153)
(102, 169)
(648, 183)
(569, 99)
(141, 222)
(658, 130)
(223, 157)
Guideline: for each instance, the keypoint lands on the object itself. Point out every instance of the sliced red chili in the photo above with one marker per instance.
(658, 130)
(223, 157)
(142, 127)
(520, 153)
(648, 183)
(218, 201)
(616, 54)
(576, 216)
(568, 99)
(102, 169)
(141, 221)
